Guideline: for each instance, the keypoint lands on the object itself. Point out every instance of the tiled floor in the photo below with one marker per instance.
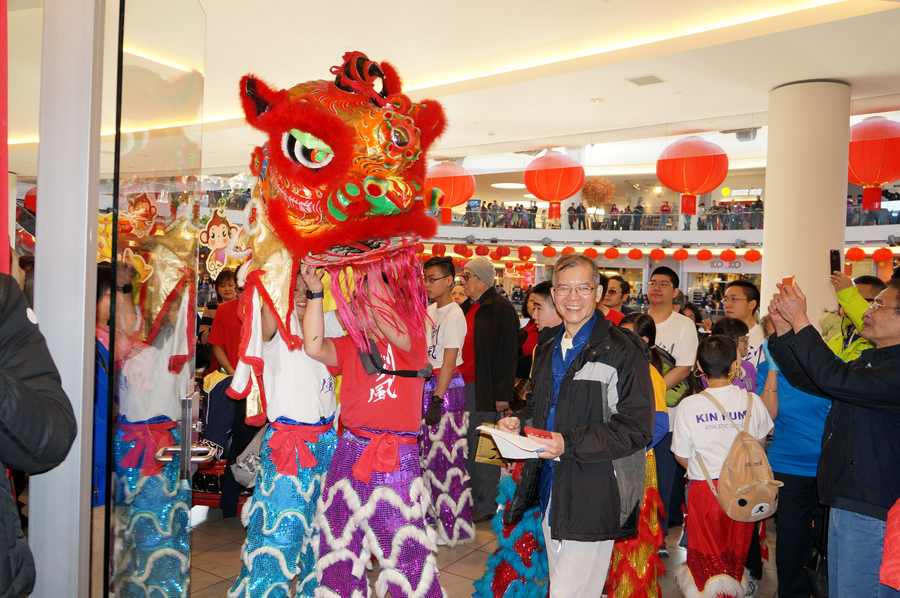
(217, 543)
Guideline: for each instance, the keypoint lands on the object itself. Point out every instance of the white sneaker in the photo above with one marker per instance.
(753, 585)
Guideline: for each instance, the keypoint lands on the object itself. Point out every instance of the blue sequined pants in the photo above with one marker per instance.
(151, 524)
(282, 536)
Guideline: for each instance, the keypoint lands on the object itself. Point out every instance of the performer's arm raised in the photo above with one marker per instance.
(317, 346)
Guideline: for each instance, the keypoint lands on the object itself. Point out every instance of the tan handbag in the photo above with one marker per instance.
(747, 489)
(487, 452)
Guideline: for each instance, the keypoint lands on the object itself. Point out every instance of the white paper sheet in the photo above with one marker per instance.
(513, 446)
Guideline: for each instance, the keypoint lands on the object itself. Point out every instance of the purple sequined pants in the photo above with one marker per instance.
(385, 518)
(444, 464)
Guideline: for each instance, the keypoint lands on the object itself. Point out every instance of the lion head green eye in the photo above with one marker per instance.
(306, 150)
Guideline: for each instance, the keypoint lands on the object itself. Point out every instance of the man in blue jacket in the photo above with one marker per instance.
(859, 467)
(593, 393)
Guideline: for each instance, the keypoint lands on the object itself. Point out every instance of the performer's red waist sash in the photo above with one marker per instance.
(381, 455)
(288, 445)
(147, 439)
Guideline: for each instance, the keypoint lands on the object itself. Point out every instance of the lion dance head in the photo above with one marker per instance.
(340, 181)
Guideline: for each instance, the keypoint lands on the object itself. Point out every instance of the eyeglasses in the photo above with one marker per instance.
(876, 305)
(583, 290)
(661, 285)
(465, 277)
(744, 339)
(612, 292)
(432, 279)
(732, 299)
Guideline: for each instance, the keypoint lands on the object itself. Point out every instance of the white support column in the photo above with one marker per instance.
(65, 278)
(806, 186)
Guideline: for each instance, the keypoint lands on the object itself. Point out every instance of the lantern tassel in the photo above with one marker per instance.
(871, 199)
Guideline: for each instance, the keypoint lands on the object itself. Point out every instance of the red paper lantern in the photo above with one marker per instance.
(503, 251)
(728, 255)
(482, 250)
(611, 253)
(883, 255)
(752, 255)
(680, 255)
(524, 252)
(462, 263)
(704, 255)
(855, 254)
(419, 247)
(457, 184)
(590, 252)
(529, 266)
(520, 268)
(567, 250)
(635, 254)
(692, 166)
(874, 157)
(460, 249)
(509, 265)
(469, 252)
(493, 255)
(455, 261)
(438, 249)
(31, 200)
(549, 251)
(657, 254)
(554, 177)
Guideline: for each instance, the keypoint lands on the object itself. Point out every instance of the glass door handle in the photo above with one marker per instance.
(199, 453)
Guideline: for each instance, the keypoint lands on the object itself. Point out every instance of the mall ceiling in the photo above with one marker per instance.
(512, 76)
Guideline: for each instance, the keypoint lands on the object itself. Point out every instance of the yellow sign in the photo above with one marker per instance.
(726, 191)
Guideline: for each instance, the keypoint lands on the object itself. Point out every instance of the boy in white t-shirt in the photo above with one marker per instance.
(717, 545)
(443, 438)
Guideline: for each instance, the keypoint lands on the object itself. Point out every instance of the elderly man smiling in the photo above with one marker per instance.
(859, 466)
(592, 391)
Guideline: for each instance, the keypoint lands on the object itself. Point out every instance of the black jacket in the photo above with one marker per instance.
(605, 413)
(859, 467)
(37, 426)
(496, 347)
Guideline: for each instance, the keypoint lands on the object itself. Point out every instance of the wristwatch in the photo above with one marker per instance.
(311, 295)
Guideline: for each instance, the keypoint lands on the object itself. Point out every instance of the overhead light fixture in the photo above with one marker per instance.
(530, 196)
(646, 80)
(747, 134)
(508, 185)
(598, 100)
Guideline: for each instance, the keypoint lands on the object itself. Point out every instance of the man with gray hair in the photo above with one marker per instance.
(592, 392)
(490, 353)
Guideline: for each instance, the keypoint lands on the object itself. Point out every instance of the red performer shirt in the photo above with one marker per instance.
(468, 350)
(226, 330)
(381, 401)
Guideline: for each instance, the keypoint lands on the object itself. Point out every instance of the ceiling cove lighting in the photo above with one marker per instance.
(508, 185)
(740, 19)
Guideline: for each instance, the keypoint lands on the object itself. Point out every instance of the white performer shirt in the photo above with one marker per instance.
(297, 386)
(701, 428)
(678, 336)
(755, 353)
(447, 332)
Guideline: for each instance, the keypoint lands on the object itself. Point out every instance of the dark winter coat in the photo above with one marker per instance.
(37, 426)
(605, 413)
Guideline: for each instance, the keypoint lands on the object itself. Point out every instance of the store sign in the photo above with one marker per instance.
(721, 265)
(726, 191)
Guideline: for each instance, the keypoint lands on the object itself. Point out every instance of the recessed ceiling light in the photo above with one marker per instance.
(508, 186)
(598, 100)
(26, 162)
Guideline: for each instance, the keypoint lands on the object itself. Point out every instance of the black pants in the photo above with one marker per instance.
(241, 436)
(483, 478)
(798, 507)
(665, 475)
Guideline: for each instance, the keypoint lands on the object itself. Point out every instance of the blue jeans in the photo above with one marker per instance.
(855, 544)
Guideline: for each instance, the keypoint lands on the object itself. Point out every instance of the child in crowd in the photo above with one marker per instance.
(717, 545)
(737, 331)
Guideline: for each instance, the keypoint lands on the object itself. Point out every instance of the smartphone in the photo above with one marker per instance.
(788, 282)
(529, 431)
(835, 261)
